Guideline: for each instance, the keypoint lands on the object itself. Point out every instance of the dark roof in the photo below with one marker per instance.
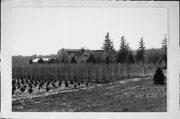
(76, 52)
(97, 50)
(97, 53)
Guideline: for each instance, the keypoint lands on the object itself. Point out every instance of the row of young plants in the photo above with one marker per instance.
(26, 77)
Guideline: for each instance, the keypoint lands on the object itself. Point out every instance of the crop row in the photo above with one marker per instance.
(50, 74)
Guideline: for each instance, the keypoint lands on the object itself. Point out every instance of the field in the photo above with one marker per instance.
(122, 96)
(86, 88)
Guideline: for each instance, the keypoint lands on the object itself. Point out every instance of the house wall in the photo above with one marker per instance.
(62, 56)
(84, 56)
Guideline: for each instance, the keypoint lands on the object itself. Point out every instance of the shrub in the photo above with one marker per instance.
(66, 84)
(30, 61)
(47, 88)
(125, 110)
(73, 60)
(91, 59)
(30, 90)
(107, 60)
(40, 61)
(22, 89)
(159, 77)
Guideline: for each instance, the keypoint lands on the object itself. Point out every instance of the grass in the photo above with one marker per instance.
(139, 96)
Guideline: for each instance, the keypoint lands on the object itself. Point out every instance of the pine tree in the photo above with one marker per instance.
(141, 51)
(108, 44)
(123, 51)
(110, 52)
(159, 77)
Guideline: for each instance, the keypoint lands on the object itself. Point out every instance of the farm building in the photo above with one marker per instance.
(98, 54)
(67, 55)
(35, 60)
(77, 56)
(42, 60)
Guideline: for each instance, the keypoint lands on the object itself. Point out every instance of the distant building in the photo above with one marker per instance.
(35, 60)
(75, 56)
(66, 55)
(42, 60)
(98, 54)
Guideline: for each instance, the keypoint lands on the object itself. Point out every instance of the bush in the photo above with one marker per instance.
(40, 61)
(91, 59)
(159, 77)
(30, 61)
(107, 60)
(73, 60)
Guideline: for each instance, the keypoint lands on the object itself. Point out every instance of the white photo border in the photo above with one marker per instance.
(173, 59)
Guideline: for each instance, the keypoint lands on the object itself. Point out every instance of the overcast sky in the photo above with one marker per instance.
(46, 30)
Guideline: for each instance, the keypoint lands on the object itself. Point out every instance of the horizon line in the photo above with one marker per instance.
(71, 49)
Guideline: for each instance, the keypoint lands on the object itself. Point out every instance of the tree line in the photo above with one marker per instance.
(141, 55)
(123, 55)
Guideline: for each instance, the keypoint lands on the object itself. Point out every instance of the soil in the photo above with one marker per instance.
(138, 95)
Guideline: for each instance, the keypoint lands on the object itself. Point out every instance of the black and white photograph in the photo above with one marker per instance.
(0, 69)
(0, 80)
(90, 56)
(89, 59)
(0, 76)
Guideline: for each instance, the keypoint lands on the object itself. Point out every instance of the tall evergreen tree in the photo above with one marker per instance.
(141, 51)
(109, 49)
(108, 44)
(123, 51)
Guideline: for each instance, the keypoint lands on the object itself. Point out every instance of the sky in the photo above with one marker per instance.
(46, 30)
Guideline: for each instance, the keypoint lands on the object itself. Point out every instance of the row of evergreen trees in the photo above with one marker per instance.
(125, 54)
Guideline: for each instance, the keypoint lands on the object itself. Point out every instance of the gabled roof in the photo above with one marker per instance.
(97, 52)
(76, 52)
(70, 52)
(37, 59)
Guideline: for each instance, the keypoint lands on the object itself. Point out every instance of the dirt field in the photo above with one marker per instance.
(138, 96)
